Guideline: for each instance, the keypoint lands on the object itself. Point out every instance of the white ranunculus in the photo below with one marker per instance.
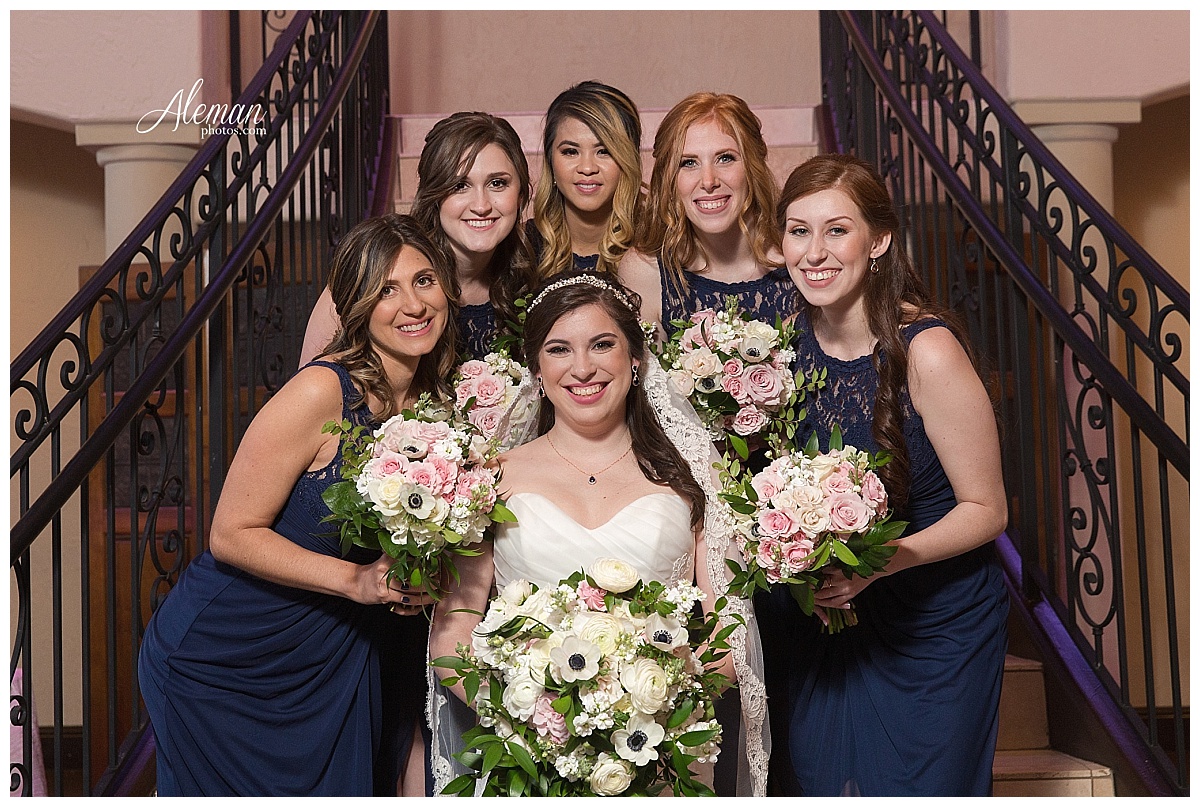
(520, 695)
(682, 381)
(536, 605)
(638, 740)
(763, 331)
(610, 776)
(614, 575)
(646, 683)
(516, 592)
(601, 630)
(385, 494)
(701, 362)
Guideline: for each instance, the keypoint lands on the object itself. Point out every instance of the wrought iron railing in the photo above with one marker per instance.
(1084, 332)
(155, 368)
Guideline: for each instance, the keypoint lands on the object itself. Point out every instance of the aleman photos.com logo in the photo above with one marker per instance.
(214, 119)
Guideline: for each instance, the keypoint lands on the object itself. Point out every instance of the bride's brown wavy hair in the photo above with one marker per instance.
(658, 458)
(894, 296)
(361, 266)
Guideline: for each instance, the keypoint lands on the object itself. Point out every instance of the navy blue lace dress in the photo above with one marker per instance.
(255, 688)
(476, 329)
(762, 298)
(905, 703)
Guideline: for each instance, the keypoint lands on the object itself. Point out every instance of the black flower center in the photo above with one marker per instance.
(415, 501)
(576, 661)
(636, 741)
(753, 352)
(663, 635)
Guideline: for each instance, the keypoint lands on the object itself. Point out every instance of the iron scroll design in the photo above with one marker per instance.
(1082, 332)
(128, 405)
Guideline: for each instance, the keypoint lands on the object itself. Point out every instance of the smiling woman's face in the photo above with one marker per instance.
(586, 368)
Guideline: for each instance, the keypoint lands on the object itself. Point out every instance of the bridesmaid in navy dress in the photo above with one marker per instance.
(473, 183)
(260, 669)
(587, 198)
(709, 232)
(905, 703)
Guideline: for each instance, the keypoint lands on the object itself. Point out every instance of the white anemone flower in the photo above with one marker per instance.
(665, 633)
(638, 740)
(575, 660)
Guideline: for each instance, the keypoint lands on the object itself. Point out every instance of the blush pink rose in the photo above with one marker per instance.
(472, 368)
(749, 420)
(592, 597)
(837, 482)
(432, 473)
(465, 391)
(430, 433)
(548, 722)
(774, 523)
(477, 482)
(767, 484)
(388, 464)
(873, 492)
(764, 386)
(848, 513)
(489, 391)
(705, 316)
(768, 550)
(735, 386)
(487, 419)
(694, 337)
(733, 368)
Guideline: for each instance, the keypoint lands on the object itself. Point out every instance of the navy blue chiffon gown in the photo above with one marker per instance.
(256, 688)
(761, 298)
(904, 703)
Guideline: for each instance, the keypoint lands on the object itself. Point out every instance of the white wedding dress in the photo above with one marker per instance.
(545, 545)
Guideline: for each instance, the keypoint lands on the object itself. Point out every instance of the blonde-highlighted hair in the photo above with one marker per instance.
(665, 230)
(613, 118)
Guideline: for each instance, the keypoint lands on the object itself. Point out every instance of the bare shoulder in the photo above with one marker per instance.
(313, 394)
(937, 349)
(637, 265)
(519, 465)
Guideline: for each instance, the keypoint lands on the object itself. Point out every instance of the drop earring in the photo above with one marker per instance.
(541, 389)
(874, 268)
(635, 375)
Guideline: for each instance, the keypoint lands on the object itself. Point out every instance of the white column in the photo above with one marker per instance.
(1085, 149)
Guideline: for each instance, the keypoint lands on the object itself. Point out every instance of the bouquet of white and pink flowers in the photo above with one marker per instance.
(602, 685)
(736, 372)
(418, 488)
(486, 390)
(805, 512)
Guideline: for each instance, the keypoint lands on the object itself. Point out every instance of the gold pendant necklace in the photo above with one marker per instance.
(591, 477)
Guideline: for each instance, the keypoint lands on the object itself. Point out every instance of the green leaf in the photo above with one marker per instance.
(460, 786)
(501, 514)
(516, 784)
(835, 438)
(523, 759)
(492, 757)
(471, 686)
(681, 713)
(803, 595)
(844, 554)
(695, 738)
(739, 445)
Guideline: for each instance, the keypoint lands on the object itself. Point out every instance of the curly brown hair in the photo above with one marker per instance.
(361, 266)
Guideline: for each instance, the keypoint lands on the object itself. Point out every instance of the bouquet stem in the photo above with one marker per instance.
(840, 618)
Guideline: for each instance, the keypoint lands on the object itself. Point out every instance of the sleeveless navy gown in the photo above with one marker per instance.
(906, 702)
(762, 298)
(255, 688)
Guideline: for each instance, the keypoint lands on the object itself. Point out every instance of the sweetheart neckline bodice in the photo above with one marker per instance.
(599, 527)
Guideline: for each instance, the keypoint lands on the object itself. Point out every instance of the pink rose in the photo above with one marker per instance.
(873, 492)
(472, 368)
(749, 420)
(848, 513)
(489, 391)
(837, 482)
(733, 368)
(388, 464)
(477, 483)
(431, 474)
(767, 484)
(768, 550)
(774, 523)
(430, 433)
(735, 386)
(695, 337)
(798, 554)
(764, 386)
(464, 392)
(486, 419)
(548, 722)
(592, 597)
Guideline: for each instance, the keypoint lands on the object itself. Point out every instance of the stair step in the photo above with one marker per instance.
(1023, 721)
(1048, 773)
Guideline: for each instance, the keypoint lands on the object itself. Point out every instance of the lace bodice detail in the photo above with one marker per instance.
(763, 298)
(848, 400)
(476, 329)
(306, 495)
(545, 545)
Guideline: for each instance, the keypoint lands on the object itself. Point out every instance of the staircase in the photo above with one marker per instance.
(1025, 763)
(790, 132)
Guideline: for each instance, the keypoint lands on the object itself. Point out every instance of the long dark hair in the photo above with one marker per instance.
(658, 458)
(361, 266)
(449, 152)
(614, 120)
(894, 296)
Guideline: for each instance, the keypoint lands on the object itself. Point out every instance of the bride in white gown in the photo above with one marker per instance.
(612, 475)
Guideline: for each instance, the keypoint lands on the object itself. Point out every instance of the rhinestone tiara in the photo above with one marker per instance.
(590, 280)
